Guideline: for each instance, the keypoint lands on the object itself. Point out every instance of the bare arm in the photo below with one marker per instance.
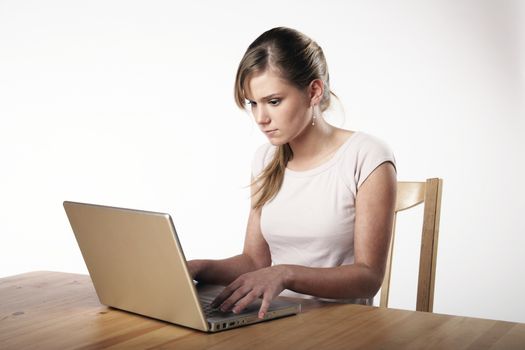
(255, 255)
(373, 226)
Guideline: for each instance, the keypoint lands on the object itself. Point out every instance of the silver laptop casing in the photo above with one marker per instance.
(136, 263)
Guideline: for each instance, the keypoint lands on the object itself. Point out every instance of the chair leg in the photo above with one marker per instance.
(385, 288)
(429, 242)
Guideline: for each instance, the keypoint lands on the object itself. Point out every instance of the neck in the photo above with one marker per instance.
(314, 141)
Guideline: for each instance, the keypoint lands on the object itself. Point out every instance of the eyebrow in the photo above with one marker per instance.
(267, 98)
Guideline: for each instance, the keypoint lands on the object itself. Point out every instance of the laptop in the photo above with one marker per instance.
(137, 264)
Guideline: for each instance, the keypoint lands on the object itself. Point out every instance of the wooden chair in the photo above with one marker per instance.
(410, 194)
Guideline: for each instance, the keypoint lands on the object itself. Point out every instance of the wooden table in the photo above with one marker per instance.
(54, 310)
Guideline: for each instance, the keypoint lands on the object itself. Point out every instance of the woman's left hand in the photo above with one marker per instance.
(267, 283)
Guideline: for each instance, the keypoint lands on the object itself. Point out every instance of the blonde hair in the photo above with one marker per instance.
(299, 60)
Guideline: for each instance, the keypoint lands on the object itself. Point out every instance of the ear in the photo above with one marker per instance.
(316, 90)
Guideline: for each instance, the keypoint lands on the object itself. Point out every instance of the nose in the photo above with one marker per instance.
(261, 117)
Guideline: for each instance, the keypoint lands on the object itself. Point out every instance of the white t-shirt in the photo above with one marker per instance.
(310, 222)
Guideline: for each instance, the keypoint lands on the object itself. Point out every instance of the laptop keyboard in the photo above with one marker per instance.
(206, 305)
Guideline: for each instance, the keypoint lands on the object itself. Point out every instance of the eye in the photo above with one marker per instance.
(251, 103)
(275, 102)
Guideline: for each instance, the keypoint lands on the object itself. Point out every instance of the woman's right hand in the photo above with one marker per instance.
(194, 268)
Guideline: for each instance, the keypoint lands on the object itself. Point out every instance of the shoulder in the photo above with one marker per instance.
(262, 156)
(263, 150)
(363, 154)
(366, 143)
(363, 146)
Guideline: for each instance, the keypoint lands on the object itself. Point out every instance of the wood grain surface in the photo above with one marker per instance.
(55, 310)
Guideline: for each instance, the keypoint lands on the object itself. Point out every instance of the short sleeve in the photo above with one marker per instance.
(372, 153)
(261, 158)
(364, 154)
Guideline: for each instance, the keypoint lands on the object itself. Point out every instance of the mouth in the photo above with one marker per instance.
(269, 131)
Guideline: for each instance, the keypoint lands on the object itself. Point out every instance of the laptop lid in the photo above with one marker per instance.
(136, 263)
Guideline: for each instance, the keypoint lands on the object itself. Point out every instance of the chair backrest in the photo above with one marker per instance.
(410, 194)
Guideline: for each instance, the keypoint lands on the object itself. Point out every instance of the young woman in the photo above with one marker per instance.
(322, 197)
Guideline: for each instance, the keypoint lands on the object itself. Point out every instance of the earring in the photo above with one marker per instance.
(313, 120)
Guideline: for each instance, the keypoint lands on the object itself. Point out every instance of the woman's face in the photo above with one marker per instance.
(281, 110)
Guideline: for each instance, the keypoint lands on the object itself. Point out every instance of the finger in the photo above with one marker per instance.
(265, 305)
(225, 294)
(234, 298)
(244, 302)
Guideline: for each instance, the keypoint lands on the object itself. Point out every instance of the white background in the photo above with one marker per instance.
(130, 103)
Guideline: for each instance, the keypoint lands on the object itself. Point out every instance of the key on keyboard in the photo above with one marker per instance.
(206, 305)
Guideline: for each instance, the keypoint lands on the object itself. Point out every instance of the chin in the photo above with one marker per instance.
(276, 142)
